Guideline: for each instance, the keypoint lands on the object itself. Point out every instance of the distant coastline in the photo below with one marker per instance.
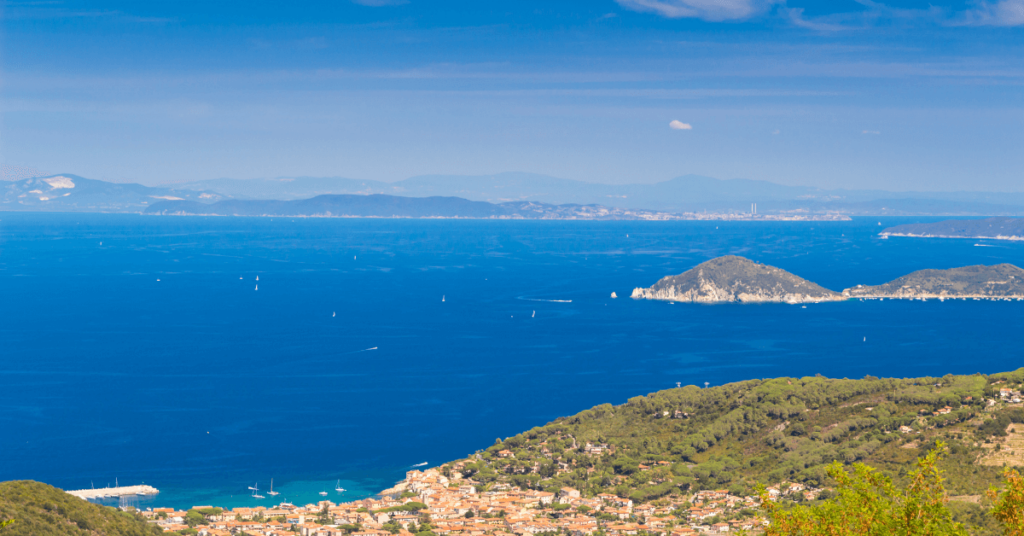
(437, 207)
(670, 217)
(999, 228)
(979, 237)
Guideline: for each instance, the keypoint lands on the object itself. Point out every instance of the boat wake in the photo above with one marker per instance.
(543, 300)
(419, 464)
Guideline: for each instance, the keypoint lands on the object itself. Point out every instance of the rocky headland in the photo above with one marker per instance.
(997, 282)
(736, 279)
(989, 228)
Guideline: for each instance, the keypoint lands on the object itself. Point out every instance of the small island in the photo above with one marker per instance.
(989, 228)
(736, 279)
(997, 282)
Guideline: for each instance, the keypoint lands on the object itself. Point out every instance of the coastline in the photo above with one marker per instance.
(1012, 238)
(940, 297)
(692, 296)
(651, 217)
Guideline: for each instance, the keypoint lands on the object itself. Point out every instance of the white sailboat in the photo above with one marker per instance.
(334, 314)
(442, 298)
(339, 489)
(256, 492)
(257, 278)
(272, 493)
(257, 287)
(323, 493)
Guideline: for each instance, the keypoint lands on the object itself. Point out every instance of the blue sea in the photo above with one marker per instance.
(138, 348)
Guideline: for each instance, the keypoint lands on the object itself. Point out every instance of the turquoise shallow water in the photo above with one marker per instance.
(201, 385)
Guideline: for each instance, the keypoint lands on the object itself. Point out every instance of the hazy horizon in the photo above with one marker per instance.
(902, 96)
(171, 184)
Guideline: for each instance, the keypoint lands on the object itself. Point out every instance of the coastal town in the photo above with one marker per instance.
(428, 501)
(449, 501)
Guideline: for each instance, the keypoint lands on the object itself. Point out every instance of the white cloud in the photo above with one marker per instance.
(872, 13)
(796, 17)
(379, 3)
(710, 10)
(776, 132)
(679, 125)
(1001, 13)
(872, 132)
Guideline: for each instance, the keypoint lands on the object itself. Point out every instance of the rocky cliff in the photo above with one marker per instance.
(736, 279)
(1000, 281)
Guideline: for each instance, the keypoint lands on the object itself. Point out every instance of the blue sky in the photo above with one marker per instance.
(899, 96)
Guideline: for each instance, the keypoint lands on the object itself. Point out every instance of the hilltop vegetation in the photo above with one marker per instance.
(737, 279)
(999, 280)
(41, 510)
(784, 430)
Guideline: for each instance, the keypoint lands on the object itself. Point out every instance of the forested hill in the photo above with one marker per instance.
(41, 510)
(764, 431)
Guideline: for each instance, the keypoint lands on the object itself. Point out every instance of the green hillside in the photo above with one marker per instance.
(41, 510)
(783, 430)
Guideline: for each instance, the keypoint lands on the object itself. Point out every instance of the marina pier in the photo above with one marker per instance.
(122, 491)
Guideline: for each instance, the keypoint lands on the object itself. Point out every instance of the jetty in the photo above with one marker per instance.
(122, 491)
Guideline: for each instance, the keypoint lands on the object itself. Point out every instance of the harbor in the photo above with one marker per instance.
(106, 493)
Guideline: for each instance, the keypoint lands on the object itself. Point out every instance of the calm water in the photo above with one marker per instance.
(201, 385)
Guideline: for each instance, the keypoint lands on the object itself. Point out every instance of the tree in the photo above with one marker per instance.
(1009, 505)
(193, 518)
(868, 503)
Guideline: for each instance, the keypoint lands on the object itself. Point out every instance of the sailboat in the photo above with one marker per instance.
(257, 278)
(442, 298)
(323, 493)
(339, 489)
(534, 314)
(257, 287)
(272, 493)
(334, 314)
(256, 492)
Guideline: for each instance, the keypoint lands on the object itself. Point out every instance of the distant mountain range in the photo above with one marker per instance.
(688, 194)
(71, 193)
